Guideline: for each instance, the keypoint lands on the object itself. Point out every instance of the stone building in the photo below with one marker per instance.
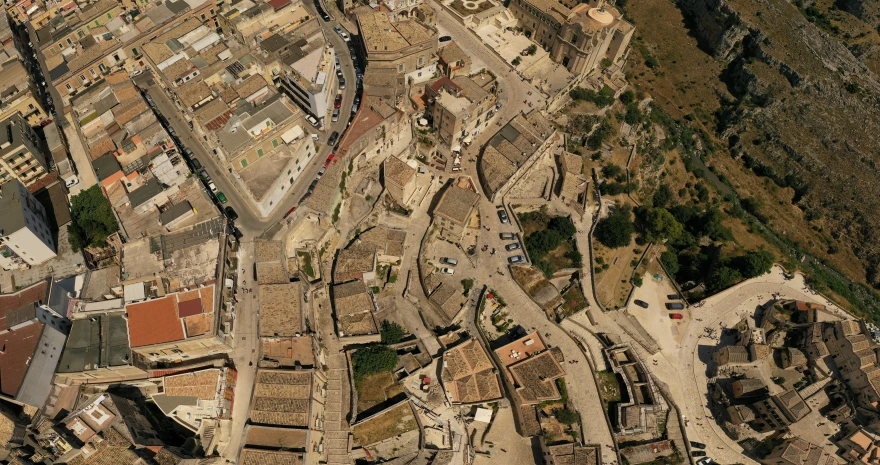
(578, 38)
(408, 46)
(454, 211)
(731, 355)
(400, 179)
(573, 181)
(460, 107)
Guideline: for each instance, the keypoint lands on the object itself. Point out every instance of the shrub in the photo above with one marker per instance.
(566, 416)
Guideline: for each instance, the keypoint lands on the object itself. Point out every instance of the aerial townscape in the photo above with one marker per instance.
(440, 232)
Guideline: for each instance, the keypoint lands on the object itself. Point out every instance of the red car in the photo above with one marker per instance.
(289, 212)
(338, 102)
(329, 159)
(676, 316)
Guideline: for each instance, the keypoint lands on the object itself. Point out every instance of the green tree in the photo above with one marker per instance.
(391, 332)
(670, 261)
(628, 97)
(93, 219)
(722, 277)
(632, 115)
(373, 359)
(754, 263)
(617, 229)
(658, 224)
(662, 196)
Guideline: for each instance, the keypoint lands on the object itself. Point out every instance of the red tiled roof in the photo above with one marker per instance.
(444, 82)
(189, 308)
(9, 302)
(217, 123)
(364, 120)
(278, 4)
(154, 322)
(16, 348)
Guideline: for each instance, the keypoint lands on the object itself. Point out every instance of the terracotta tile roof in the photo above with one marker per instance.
(265, 457)
(250, 85)
(154, 322)
(469, 375)
(280, 309)
(9, 302)
(197, 325)
(457, 204)
(101, 147)
(535, 377)
(397, 171)
(189, 308)
(19, 347)
(202, 384)
(281, 397)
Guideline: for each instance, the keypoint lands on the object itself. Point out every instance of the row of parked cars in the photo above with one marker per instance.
(196, 166)
(502, 215)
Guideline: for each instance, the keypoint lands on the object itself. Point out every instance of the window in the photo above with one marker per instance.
(259, 152)
(289, 171)
(291, 180)
(274, 143)
(83, 77)
(135, 52)
(68, 86)
(211, 11)
(203, 17)
(244, 163)
(80, 33)
(69, 41)
(401, 68)
(93, 72)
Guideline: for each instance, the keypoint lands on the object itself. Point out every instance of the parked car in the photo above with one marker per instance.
(514, 246)
(230, 213)
(212, 187)
(507, 236)
(333, 137)
(341, 82)
(502, 215)
(204, 174)
(221, 197)
(335, 115)
(675, 305)
(448, 261)
(322, 171)
(303, 198)
(641, 303)
(325, 16)
(516, 259)
(338, 102)
(312, 120)
(448, 270)
(674, 296)
(329, 160)
(342, 33)
(354, 108)
(678, 316)
(706, 461)
(188, 152)
(196, 163)
(698, 445)
(289, 212)
(697, 453)
(445, 39)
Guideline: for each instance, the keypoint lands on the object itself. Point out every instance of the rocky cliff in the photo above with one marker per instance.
(807, 110)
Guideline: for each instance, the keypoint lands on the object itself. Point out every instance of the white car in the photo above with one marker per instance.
(312, 120)
(447, 270)
(212, 187)
(342, 33)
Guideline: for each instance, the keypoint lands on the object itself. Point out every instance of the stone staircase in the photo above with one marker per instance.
(336, 430)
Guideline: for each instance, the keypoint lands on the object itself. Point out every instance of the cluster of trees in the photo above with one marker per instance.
(540, 243)
(681, 228)
(615, 180)
(378, 358)
(601, 99)
(93, 219)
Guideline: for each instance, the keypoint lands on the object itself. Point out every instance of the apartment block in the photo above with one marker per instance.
(18, 95)
(20, 156)
(25, 238)
(93, 40)
(304, 68)
(578, 38)
(248, 20)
